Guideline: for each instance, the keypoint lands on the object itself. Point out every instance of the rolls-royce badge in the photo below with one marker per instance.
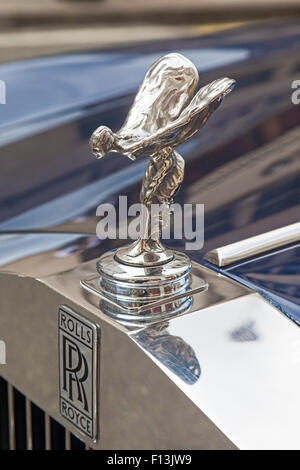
(78, 358)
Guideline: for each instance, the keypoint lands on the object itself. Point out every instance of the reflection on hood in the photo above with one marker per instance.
(172, 351)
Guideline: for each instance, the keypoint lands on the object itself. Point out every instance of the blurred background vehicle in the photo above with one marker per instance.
(30, 28)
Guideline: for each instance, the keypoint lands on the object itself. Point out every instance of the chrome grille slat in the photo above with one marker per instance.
(68, 440)
(23, 425)
(28, 424)
(47, 432)
(11, 417)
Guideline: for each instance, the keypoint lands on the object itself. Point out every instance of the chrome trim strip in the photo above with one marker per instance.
(253, 246)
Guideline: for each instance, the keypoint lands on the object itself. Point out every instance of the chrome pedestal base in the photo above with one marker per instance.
(144, 292)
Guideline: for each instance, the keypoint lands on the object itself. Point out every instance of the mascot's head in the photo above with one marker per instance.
(102, 141)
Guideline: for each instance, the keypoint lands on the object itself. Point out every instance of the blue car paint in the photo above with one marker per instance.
(276, 276)
(56, 90)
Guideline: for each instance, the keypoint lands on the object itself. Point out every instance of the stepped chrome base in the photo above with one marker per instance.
(144, 292)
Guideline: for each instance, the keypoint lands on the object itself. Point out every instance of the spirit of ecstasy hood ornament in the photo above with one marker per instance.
(164, 114)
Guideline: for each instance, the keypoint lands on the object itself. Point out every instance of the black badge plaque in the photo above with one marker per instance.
(78, 356)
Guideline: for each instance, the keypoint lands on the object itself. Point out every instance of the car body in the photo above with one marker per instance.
(222, 376)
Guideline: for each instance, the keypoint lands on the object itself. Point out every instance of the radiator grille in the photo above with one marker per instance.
(24, 426)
